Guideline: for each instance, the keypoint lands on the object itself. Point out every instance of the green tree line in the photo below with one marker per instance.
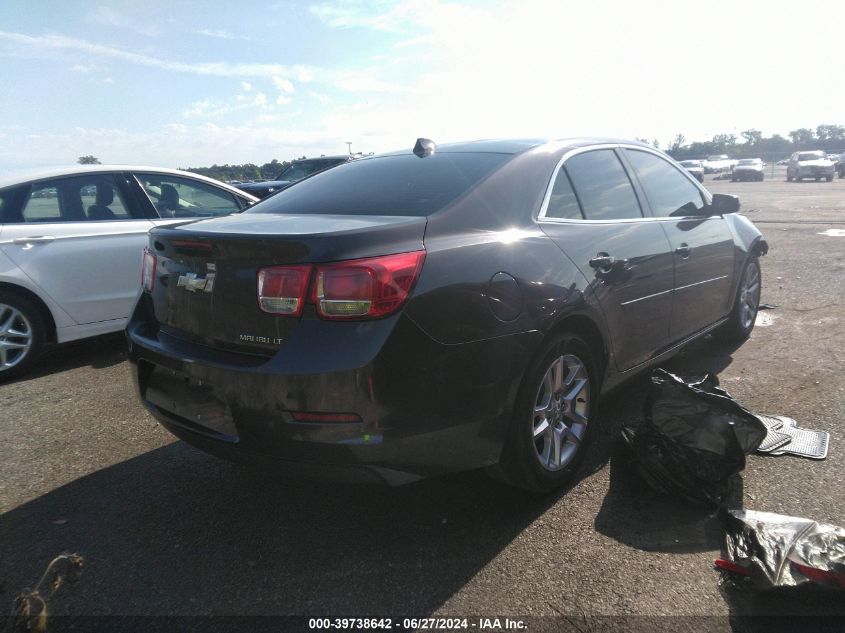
(752, 144)
(247, 171)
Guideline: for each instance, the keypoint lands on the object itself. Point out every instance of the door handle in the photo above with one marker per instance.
(684, 250)
(39, 239)
(602, 261)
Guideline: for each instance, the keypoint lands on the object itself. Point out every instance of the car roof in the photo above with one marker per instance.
(518, 146)
(45, 173)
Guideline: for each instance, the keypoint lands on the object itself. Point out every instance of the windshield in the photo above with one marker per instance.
(750, 161)
(387, 185)
(811, 156)
(301, 169)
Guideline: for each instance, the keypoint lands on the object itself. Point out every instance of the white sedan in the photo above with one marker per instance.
(70, 248)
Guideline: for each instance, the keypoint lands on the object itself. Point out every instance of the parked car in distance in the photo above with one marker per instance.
(809, 164)
(717, 164)
(70, 243)
(295, 171)
(419, 312)
(695, 168)
(748, 169)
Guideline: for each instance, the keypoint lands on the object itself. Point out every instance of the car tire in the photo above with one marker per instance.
(544, 446)
(744, 312)
(798, 179)
(788, 177)
(818, 178)
(23, 334)
(829, 178)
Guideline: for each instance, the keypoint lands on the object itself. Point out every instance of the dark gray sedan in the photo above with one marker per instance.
(438, 309)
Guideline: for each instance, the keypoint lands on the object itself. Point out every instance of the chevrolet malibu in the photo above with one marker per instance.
(437, 309)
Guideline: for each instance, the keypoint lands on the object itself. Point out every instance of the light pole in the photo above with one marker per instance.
(349, 147)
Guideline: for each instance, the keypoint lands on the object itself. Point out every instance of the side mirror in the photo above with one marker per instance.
(723, 203)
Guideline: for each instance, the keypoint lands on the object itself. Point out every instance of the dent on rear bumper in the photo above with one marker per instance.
(426, 407)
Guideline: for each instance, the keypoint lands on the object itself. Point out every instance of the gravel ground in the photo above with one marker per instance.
(165, 529)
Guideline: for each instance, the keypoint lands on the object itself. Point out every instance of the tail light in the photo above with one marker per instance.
(281, 289)
(365, 288)
(148, 270)
(369, 288)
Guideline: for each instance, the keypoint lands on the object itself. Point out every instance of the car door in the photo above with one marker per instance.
(592, 212)
(79, 239)
(178, 198)
(703, 247)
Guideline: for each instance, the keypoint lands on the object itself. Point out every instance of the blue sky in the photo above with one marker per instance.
(177, 83)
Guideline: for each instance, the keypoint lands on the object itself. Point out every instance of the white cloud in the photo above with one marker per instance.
(283, 100)
(81, 68)
(246, 86)
(323, 100)
(108, 80)
(219, 69)
(283, 85)
(171, 145)
(107, 16)
(218, 33)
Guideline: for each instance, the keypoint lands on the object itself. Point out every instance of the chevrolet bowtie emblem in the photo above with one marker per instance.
(192, 283)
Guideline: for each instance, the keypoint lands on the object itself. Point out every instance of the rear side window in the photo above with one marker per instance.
(670, 193)
(563, 203)
(389, 185)
(92, 198)
(603, 187)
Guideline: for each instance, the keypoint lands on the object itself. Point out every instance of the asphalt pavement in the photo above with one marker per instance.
(165, 529)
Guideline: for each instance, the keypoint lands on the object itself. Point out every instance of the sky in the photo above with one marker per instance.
(178, 83)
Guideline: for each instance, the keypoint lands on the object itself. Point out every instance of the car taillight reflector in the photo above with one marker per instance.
(148, 270)
(365, 288)
(282, 289)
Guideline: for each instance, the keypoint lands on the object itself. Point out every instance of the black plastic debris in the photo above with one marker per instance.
(693, 439)
(774, 550)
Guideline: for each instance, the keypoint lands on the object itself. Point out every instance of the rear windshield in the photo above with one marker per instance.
(301, 169)
(386, 185)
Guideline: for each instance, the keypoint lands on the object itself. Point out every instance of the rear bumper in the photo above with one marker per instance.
(426, 408)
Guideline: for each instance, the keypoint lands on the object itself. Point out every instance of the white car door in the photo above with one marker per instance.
(80, 241)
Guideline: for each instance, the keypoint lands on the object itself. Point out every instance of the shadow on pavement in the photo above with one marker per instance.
(98, 352)
(175, 531)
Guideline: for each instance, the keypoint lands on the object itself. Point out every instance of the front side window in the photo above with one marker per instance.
(177, 197)
(603, 186)
(670, 192)
(93, 198)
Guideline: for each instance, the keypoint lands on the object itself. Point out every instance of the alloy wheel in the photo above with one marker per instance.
(749, 297)
(561, 412)
(16, 337)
